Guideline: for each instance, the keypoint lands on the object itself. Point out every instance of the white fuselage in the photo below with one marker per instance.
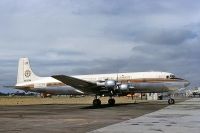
(142, 82)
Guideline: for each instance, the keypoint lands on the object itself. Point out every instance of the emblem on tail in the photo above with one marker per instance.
(27, 73)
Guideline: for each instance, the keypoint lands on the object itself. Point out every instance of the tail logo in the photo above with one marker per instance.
(27, 73)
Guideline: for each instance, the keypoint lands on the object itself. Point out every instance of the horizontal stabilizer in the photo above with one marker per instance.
(9, 86)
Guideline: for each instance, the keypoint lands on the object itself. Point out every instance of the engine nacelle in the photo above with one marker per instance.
(110, 83)
(125, 87)
(107, 83)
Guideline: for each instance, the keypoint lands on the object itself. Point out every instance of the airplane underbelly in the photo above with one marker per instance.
(157, 87)
(64, 90)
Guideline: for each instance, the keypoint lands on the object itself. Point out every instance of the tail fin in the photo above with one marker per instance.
(25, 74)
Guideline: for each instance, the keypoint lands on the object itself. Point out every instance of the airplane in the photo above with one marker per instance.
(98, 84)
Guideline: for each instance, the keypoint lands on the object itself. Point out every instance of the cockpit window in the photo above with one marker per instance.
(172, 76)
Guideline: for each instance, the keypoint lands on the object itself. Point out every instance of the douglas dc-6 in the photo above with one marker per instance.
(98, 84)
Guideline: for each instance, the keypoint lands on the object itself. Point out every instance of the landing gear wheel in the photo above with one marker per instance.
(96, 102)
(171, 101)
(111, 101)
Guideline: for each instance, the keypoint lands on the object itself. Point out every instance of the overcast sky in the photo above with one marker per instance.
(100, 36)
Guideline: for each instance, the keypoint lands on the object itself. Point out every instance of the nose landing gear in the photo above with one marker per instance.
(171, 101)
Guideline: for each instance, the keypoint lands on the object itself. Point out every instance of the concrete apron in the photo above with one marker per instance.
(182, 117)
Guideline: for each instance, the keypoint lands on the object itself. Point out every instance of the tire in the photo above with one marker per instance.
(171, 101)
(99, 102)
(96, 102)
(111, 102)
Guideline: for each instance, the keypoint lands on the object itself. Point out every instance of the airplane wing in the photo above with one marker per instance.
(85, 86)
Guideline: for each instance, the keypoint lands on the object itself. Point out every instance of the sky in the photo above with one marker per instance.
(100, 36)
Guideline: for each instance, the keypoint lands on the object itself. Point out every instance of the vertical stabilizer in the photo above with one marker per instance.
(25, 74)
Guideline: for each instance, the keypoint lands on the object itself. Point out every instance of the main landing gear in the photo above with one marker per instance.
(111, 101)
(171, 101)
(97, 102)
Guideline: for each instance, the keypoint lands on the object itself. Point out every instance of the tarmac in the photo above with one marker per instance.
(69, 118)
(183, 117)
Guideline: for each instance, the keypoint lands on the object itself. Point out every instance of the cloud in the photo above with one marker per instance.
(165, 37)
